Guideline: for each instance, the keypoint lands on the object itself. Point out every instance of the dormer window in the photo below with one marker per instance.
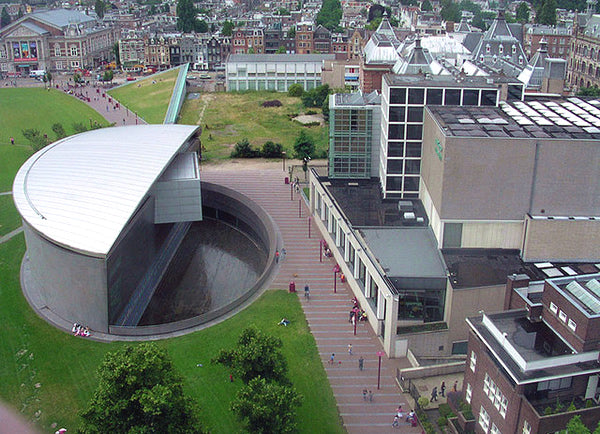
(500, 49)
(520, 60)
(481, 58)
(487, 48)
(514, 49)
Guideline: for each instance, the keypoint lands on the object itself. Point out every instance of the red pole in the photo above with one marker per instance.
(320, 250)
(299, 208)
(291, 190)
(379, 374)
(355, 321)
(334, 281)
(309, 227)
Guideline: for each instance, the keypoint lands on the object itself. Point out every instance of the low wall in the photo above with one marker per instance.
(433, 371)
(247, 214)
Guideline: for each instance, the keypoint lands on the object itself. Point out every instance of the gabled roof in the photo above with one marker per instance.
(419, 61)
(61, 18)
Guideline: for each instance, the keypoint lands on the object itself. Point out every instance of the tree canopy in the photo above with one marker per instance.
(256, 355)
(522, 14)
(546, 13)
(316, 96)
(186, 16)
(304, 146)
(228, 27)
(265, 407)
(139, 392)
(100, 8)
(5, 18)
(330, 14)
(426, 6)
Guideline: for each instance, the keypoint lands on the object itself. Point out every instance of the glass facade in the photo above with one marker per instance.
(402, 134)
(350, 142)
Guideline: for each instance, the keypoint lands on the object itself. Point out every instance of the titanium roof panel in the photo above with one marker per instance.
(81, 191)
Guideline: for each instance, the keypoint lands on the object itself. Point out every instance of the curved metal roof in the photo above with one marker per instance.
(81, 191)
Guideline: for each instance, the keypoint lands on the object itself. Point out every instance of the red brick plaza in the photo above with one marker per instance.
(326, 312)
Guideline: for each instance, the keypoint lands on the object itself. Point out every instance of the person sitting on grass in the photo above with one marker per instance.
(284, 322)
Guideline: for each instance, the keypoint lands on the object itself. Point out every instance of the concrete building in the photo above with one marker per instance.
(54, 40)
(516, 157)
(100, 222)
(274, 71)
(542, 354)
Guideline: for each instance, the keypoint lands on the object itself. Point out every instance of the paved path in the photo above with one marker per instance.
(326, 312)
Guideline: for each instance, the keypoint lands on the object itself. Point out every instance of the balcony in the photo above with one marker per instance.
(555, 412)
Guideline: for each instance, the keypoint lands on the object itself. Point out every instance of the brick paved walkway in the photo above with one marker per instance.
(326, 312)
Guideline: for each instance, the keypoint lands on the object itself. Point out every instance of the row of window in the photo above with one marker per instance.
(404, 149)
(484, 422)
(563, 316)
(440, 96)
(493, 392)
(408, 185)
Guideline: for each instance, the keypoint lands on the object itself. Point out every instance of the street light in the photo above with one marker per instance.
(283, 156)
(380, 354)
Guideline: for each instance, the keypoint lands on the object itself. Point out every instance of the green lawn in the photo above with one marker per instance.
(149, 97)
(49, 375)
(40, 109)
(9, 217)
(229, 117)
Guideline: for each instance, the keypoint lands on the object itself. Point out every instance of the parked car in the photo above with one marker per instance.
(204, 76)
(131, 78)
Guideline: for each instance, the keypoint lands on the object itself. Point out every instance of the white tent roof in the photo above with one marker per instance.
(81, 191)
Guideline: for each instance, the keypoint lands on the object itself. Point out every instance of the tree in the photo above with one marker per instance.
(20, 13)
(523, 13)
(450, 11)
(304, 146)
(576, 426)
(330, 14)
(108, 75)
(272, 150)
(281, 50)
(244, 150)
(116, 53)
(265, 407)
(100, 8)
(186, 16)
(291, 32)
(295, 89)
(5, 19)
(139, 392)
(48, 78)
(228, 27)
(256, 355)
(316, 96)
(201, 26)
(547, 13)
(59, 131)
(426, 6)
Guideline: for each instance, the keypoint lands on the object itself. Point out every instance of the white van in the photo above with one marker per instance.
(36, 73)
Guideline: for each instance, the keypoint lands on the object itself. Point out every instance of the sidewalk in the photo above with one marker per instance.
(326, 311)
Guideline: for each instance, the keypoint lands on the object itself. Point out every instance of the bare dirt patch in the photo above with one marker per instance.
(308, 119)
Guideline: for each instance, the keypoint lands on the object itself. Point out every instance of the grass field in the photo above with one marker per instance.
(49, 375)
(40, 109)
(231, 117)
(149, 97)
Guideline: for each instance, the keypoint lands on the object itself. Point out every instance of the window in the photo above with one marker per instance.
(493, 392)
(414, 132)
(416, 96)
(572, 324)
(500, 48)
(452, 97)
(553, 308)
(75, 64)
(74, 51)
(486, 384)
(473, 361)
(526, 427)
(415, 114)
(562, 316)
(470, 97)
(397, 96)
(484, 419)
(560, 383)
(434, 96)
(469, 393)
(397, 114)
(495, 429)
(57, 50)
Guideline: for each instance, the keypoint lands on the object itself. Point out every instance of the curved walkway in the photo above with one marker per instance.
(326, 312)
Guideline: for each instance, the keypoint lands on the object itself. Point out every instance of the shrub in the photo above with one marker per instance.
(571, 407)
(295, 90)
(312, 124)
(244, 150)
(445, 410)
(59, 131)
(423, 401)
(559, 406)
(548, 411)
(311, 112)
(428, 427)
(38, 141)
(272, 150)
(589, 403)
(272, 103)
(442, 422)
(466, 410)
(80, 127)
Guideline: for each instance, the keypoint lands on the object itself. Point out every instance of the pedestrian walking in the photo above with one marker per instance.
(231, 378)
(434, 394)
(306, 291)
(410, 416)
(364, 394)
(370, 396)
(395, 423)
(455, 387)
(350, 349)
(332, 359)
(277, 256)
(12, 140)
(443, 389)
(361, 363)
(283, 253)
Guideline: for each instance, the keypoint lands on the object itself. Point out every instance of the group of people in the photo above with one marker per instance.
(356, 313)
(79, 330)
(326, 249)
(411, 417)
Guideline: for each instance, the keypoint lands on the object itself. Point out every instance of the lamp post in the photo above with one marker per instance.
(291, 190)
(299, 207)
(309, 226)
(336, 270)
(283, 159)
(380, 355)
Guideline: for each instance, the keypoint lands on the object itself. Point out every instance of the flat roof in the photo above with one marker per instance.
(279, 58)
(469, 81)
(81, 191)
(570, 118)
(406, 252)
